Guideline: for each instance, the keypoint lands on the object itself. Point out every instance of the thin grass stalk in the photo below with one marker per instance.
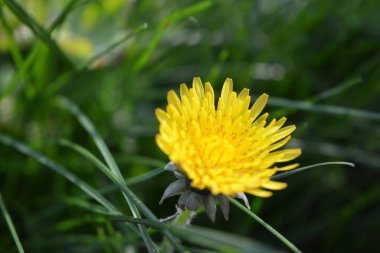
(327, 109)
(63, 172)
(38, 30)
(123, 187)
(295, 171)
(115, 171)
(210, 238)
(9, 222)
(113, 168)
(174, 17)
(282, 238)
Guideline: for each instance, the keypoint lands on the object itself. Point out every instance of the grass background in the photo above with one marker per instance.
(318, 60)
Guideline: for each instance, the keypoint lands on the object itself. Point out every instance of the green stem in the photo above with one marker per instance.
(183, 217)
(282, 238)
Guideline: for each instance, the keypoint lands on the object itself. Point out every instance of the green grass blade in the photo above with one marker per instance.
(22, 72)
(84, 152)
(354, 152)
(25, 18)
(132, 181)
(65, 77)
(221, 241)
(149, 215)
(188, 11)
(26, 64)
(93, 208)
(140, 160)
(62, 16)
(82, 203)
(144, 177)
(121, 183)
(174, 17)
(10, 225)
(90, 157)
(291, 172)
(90, 128)
(63, 172)
(133, 201)
(197, 250)
(282, 238)
(210, 238)
(22, 64)
(336, 90)
(13, 48)
(328, 109)
(57, 168)
(135, 31)
(60, 81)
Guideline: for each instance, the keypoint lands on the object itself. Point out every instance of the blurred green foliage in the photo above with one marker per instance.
(100, 54)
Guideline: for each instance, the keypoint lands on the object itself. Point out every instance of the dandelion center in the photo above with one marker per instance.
(214, 150)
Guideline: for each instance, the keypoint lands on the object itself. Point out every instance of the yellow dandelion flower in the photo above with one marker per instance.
(225, 149)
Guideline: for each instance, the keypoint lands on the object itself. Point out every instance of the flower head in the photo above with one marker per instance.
(225, 149)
